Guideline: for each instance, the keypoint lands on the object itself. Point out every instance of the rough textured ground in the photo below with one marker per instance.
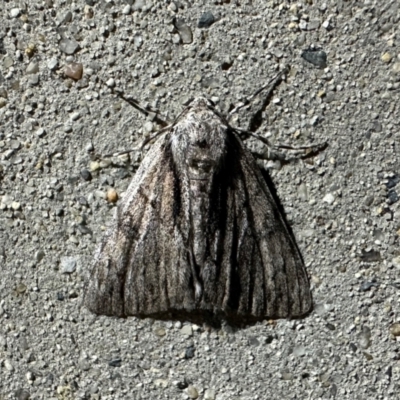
(342, 204)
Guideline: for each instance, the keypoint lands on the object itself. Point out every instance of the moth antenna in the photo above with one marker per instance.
(159, 118)
(271, 85)
(307, 150)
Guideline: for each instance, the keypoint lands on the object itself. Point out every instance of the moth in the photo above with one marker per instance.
(199, 234)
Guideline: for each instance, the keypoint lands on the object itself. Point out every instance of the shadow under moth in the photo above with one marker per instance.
(198, 234)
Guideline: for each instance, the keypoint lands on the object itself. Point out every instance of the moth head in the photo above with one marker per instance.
(202, 154)
(201, 103)
(199, 139)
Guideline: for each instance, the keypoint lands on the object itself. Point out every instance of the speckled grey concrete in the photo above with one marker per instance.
(342, 204)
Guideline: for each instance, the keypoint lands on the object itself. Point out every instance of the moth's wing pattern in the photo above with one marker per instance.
(254, 269)
(141, 266)
(145, 266)
(283, 289)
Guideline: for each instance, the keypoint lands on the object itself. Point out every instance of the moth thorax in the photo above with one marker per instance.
(203, 158)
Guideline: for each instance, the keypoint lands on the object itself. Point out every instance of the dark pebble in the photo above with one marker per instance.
(370, 256)
(269, 339)
(60, 296)
(206, 20)
(19, 118)
(116, 362)
(353, 347)
(331, 327)
(86, 175)
(74, 385)
(189, 353)
(225, 65)
(392, 182)
(316, 57)
(365, 286)
(182, 385)
(392, 196)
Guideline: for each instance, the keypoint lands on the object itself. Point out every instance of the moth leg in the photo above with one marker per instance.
(287, 153)
(302, 152)
(308, 150)
(274, 151)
